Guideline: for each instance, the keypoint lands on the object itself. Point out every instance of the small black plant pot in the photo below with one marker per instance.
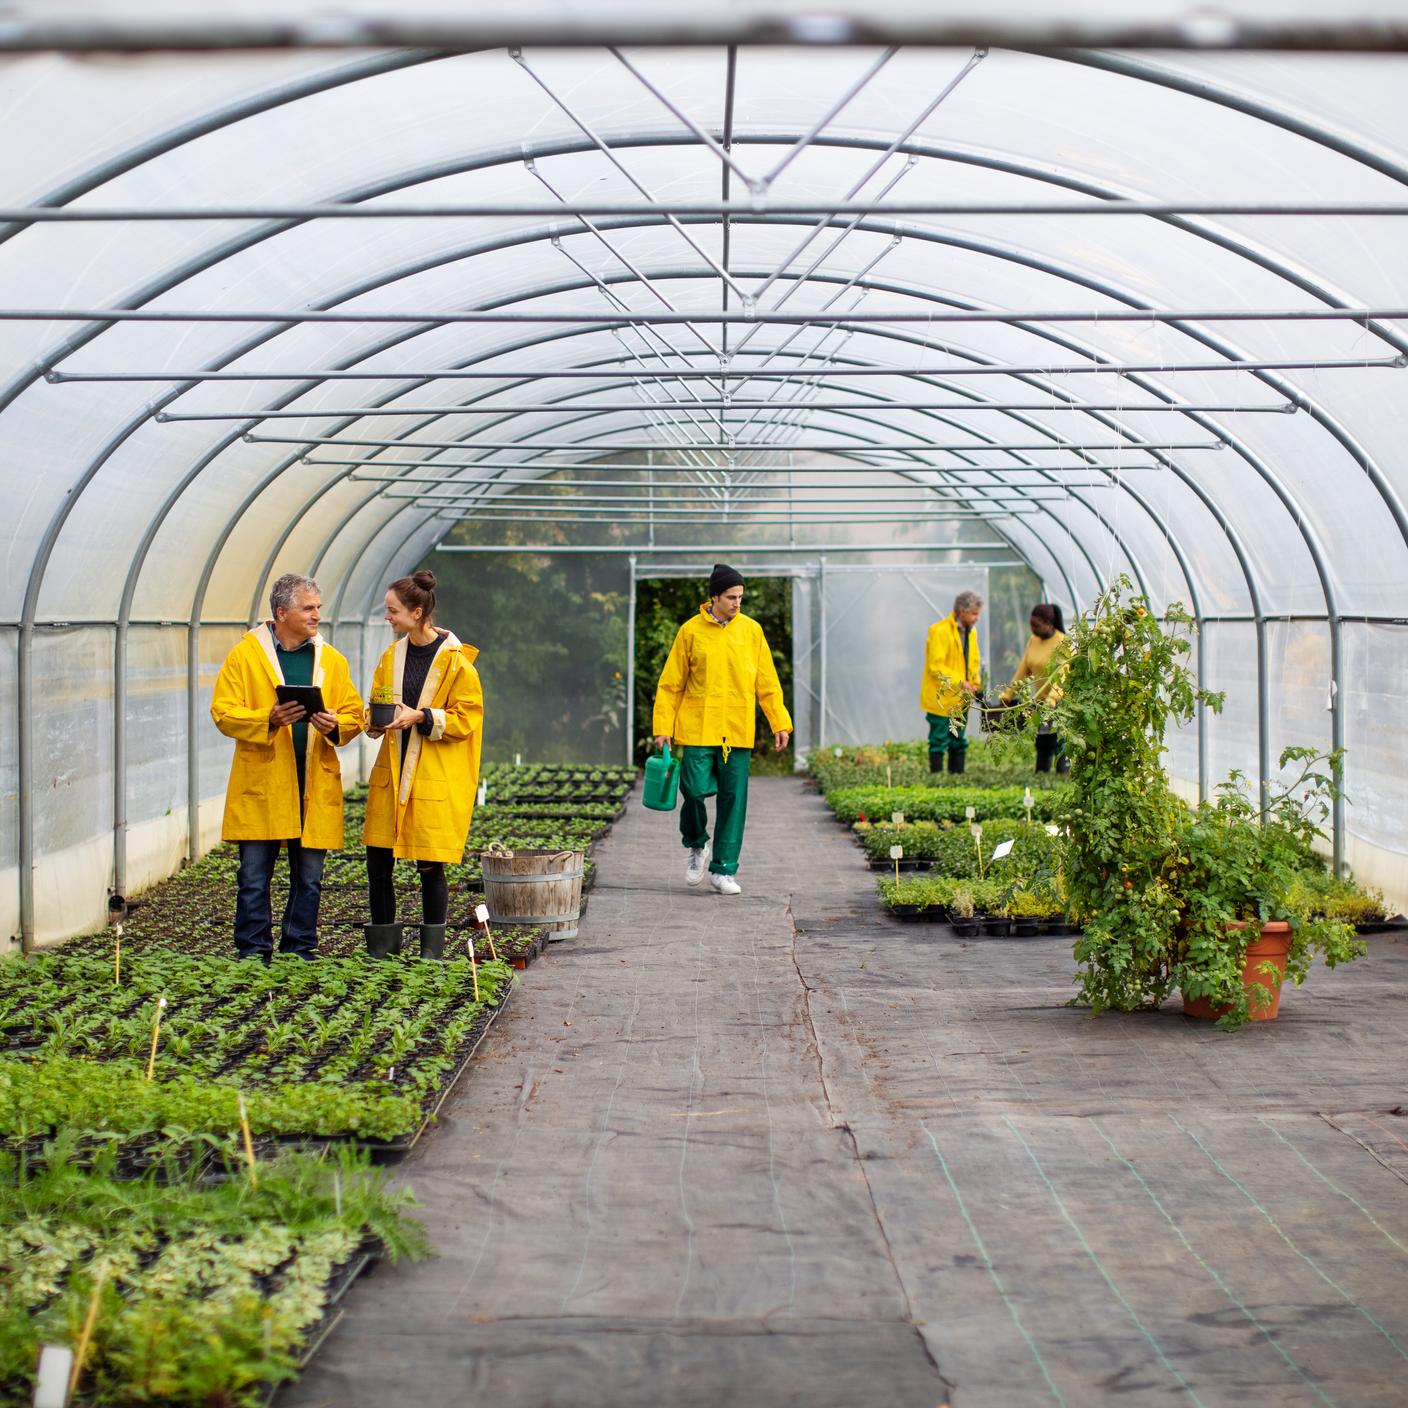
(965, 928)
(1026, 928)
(936, 914)
(907, 913)
(995, 928)
(383, 715)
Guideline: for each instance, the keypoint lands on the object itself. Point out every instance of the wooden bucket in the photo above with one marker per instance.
(538, 888)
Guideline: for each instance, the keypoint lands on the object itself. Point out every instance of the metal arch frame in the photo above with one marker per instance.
(271, 100)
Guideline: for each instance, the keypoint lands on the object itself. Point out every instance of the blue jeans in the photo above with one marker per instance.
(254, 918)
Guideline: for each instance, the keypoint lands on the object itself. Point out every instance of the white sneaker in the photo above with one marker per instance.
(725, 885)
(698, 860)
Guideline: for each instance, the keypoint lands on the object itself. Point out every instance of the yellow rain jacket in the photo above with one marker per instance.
(714, 680)
(940, 691)
(261, 798)
(421, 809)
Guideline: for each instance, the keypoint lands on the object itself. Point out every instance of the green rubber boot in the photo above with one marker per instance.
(432, 941)
(383, 940)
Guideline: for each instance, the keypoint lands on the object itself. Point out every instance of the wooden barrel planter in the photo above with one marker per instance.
(538, 888)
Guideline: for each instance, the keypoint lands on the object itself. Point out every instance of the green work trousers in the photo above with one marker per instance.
(704, 773)
(947, 735)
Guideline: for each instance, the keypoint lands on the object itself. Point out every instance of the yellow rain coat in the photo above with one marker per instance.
(421, 810)
(941, 691)
(261, 798)
(714, 680)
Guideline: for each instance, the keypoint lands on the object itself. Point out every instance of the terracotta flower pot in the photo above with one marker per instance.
(1272, 946)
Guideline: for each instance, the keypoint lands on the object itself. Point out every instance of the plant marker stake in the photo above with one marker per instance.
(337, 1192)
(86, 1334)
(897, 818)
(52, 1378)
(895, 853)
(518, 760)
(888, 783)
(978, 842)
(970, 812)
(481, 913)
(473, 966)
(117, 956)
(156, 1033)
(1027, 803)
(837, 750)
(483, 794)
(248, 1144)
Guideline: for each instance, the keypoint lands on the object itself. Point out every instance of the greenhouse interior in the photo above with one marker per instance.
(954, 452)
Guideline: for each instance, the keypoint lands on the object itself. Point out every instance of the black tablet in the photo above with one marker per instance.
(308, 695)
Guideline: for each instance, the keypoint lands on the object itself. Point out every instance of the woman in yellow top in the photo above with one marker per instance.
(1047, 635)
(952, 670)
(720, 670)
(423, 785)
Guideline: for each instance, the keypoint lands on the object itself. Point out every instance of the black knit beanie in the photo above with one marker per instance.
(722, 578)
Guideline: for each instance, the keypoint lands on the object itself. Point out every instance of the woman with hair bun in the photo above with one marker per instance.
(423, 785)
(1048, 631)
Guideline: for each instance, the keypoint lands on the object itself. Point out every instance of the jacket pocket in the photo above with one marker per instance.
(430, 791)
(380, 777)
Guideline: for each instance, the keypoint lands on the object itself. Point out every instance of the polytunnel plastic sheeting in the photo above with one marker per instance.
(1299, 514)
(1376, 683)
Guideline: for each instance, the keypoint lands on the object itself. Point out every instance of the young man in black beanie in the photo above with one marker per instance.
(719, 671)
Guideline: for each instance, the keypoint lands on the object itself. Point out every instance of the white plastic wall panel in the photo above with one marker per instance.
(1231, 671)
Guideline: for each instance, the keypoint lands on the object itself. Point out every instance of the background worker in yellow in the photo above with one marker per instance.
(421, 799)
(1048, 631)
(951, 674)
(719, 671)
(285, 783)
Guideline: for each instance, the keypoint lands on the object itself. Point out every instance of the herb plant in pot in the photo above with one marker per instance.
(1245, 927)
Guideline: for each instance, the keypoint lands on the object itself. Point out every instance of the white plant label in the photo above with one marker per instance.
(836, 751)
(977, 830)
(897, 818)
(483, 794)
(896, 852)
(481, 913)
(1027, 800)
(51, 1382)
(970, 812)
(1052, 829)
(1004, 849)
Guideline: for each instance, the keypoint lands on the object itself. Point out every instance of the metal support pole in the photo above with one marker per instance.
(1263, 716)
(1337, 739)
(192, 742)
(1202, 714)
(119, 760)
(631, 671)
(821, 649)
(24, 767)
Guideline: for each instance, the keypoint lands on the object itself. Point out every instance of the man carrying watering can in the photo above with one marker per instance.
(719, 671)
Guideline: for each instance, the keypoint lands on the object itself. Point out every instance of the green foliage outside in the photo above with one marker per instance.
(664, 604)
(551, 631)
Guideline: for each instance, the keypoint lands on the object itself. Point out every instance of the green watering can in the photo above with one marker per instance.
(662, 782)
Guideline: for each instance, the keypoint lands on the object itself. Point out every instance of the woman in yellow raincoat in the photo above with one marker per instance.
(423, 785)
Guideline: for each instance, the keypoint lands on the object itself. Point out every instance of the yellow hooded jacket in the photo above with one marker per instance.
(261, 798)
(421, 809)
(940, 691)
(714, 680)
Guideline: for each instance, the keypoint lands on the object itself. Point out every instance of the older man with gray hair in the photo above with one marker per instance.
(285, 783)
(952, 671)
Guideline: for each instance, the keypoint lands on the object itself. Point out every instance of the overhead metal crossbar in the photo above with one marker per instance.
(731, 318)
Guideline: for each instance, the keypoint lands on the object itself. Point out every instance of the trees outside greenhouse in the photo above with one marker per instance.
(1025, 1030)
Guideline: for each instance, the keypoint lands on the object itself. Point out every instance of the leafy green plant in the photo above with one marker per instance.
(1158, 886)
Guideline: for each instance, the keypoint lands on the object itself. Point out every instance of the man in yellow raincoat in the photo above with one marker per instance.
(719, 671)
(952, 671)
(285, 783)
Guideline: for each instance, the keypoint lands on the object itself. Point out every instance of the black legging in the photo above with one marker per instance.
(381, 887)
